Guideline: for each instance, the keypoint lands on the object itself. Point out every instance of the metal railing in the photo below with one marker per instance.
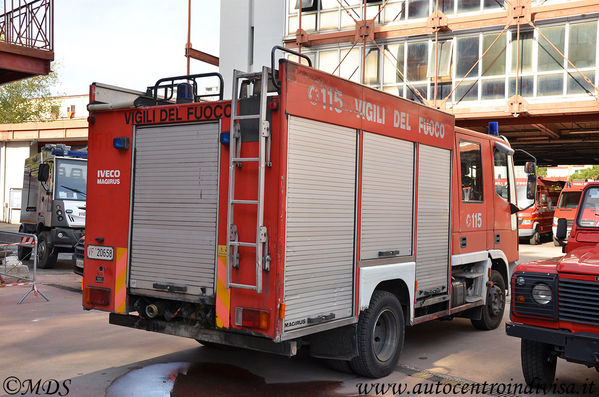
(15, 250)
(28, 24)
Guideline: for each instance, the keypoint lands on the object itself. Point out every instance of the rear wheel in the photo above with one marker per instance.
(380, 336)
(538, 363)
(46, 257)
(492, 312)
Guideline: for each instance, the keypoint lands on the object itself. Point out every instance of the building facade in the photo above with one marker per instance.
(529, 64)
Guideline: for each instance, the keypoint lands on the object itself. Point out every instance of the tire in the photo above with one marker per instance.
(538, 363)
(492, 311)
(46, 257)
(380, 336)
(535, 239)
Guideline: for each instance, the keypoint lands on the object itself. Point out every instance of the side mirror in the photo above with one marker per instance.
(562, 229)
(43, 173)
(531, 186)
(530, 168)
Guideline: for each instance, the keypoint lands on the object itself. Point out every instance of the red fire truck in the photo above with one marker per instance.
(555, 302)
(308, 211)
(566, 206)
(535, 221)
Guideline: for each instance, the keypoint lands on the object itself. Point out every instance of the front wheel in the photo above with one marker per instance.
(492, 312)
(538, 363)
(380, 336)
(46, 257)
(535, 239)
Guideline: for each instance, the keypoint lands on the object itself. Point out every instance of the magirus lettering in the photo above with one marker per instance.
(296, 322)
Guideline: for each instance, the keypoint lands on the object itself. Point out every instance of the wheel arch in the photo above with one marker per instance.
(398, 279)
(500, 263)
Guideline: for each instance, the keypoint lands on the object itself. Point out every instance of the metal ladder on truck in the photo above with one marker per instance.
(235, 162)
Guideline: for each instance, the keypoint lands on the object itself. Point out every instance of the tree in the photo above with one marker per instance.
(27, 100)
(542, 171)
(587, 173)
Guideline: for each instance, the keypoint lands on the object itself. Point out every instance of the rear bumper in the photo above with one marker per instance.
(578, 347)
(286, 348)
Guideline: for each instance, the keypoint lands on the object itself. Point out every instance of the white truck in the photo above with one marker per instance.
(53, 201)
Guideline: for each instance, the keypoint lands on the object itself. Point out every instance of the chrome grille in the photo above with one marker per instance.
(579, 301)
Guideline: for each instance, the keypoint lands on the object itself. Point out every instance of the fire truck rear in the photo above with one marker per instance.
(308, 211)
(555, 302)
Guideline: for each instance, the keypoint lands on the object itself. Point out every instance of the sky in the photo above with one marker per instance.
(129, 43)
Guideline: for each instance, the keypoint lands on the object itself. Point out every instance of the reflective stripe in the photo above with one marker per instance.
(120, 290)
(223, 295)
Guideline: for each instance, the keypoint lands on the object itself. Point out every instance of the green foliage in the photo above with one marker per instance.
(587, 173)
(541, 171)
(27, 100)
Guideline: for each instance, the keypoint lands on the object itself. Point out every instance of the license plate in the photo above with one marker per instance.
(99, 252)
(79, 262)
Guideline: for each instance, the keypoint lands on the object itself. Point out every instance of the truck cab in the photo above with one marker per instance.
(567, 206)
(536, 220)
(53, 201)
(555, 301)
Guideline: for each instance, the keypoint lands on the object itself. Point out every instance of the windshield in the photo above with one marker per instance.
(569, 200)
(523, 202)
(71, 179)
(588, 214)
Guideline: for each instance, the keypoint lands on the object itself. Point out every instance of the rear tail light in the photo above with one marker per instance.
(97, 296)
(252, 318)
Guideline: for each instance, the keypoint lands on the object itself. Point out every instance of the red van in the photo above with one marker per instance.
(537, 220)
(567, 205)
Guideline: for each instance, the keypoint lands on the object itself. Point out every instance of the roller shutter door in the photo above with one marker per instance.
(320, 222)
(387, 196)
(173, 234)
(432, 247)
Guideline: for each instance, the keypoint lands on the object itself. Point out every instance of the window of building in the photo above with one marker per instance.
(328, 61)
(468, 5)
(582, 42)
(444, 57)
(493, 63)
(550, 84)
(467, 53)
(525, 57)
(372, 67)
(417, 61)
(525, 86)
(471, 171)
(418, 9)
(548, 58)
(578, 85)
(350, 68)
(493, 4)
(394, 59)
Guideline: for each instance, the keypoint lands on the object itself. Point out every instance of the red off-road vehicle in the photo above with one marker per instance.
(555, 302)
